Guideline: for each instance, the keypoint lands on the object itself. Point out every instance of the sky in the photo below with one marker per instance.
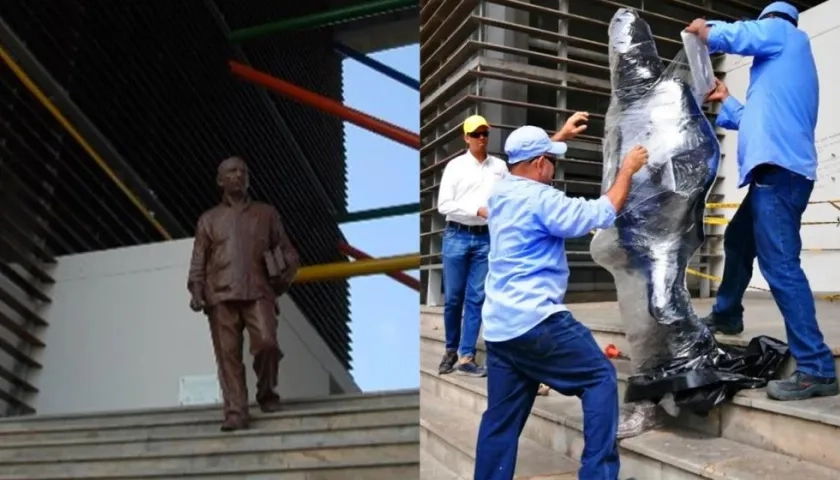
(384, 314)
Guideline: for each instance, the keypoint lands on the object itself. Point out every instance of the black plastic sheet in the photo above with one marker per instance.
(704, 380)
(660, 228)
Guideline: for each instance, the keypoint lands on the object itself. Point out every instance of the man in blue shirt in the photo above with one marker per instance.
(531, 337)
(778, 160)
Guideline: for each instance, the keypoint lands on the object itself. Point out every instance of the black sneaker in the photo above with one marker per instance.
(468, 367)
(801, 387)
(447, 363)
(726, 326)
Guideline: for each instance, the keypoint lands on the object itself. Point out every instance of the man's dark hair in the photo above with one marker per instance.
(524, 162)
(783, 16)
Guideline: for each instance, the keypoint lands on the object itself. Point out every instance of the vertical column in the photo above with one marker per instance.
(562, 53)
(434, 284)
(434, 295)
(707, 258)
(501, 114)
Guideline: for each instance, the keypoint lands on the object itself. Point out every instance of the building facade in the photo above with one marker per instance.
(149, 90)
(518, 62)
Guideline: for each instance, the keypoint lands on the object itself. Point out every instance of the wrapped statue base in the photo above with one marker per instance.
(677, 361)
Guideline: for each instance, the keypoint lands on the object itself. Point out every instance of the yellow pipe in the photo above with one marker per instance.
(334, 271)
(715, 221)
(737, 204)
(718, 280)
(725, 221)
(49, 105)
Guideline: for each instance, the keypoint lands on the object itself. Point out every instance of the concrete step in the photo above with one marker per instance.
(762, 317)
(347, 472)
(607, 333)
(183, 415)
(371, 436)
(750, 418)
(154, 427)
(398, 448)
(431, 469)
(786, 432)
(203, 444)
(448, 434)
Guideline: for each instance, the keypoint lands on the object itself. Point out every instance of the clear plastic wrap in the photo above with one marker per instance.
(696, 56)
(661, 225)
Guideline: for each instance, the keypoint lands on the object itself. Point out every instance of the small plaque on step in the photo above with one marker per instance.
(199, 390)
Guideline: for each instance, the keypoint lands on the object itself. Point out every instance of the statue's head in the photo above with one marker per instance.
(634, 62)
(232, 176)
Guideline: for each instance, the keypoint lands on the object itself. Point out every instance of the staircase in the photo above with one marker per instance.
(749, 438)
(371, 436)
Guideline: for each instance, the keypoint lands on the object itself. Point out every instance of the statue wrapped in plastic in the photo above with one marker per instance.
(678, 363)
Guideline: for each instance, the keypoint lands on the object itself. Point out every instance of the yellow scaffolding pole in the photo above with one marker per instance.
(716, 279)
(335, 271)
(725, 221)
(833, 203)
(50, 106)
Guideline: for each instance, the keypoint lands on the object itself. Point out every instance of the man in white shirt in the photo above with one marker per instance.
(462, 198)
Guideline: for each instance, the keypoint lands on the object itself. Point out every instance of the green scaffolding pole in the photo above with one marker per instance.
(377, 213)
(322, 19)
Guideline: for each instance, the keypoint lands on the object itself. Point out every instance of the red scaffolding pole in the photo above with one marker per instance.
(328, 105)
(401, 277)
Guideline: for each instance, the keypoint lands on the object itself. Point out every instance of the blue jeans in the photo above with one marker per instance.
(766, 225)
(561, 353)
(464, 271)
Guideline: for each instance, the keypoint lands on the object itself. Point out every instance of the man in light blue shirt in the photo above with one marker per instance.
(778, 160)
(530, 335)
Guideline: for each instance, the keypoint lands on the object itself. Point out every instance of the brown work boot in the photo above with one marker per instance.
(271, 406)
(232, 423)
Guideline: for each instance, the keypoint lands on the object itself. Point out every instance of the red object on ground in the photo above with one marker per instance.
(611, 351)
(327, 105)
(401, 277)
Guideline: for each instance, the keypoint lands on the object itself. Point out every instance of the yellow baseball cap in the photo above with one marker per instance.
(472, 123)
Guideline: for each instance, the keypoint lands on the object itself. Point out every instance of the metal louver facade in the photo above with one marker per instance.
(534, 62)
(152, 78)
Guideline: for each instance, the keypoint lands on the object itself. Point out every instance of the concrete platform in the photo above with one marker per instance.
(799, 438)
(761, 317)
(371, 436)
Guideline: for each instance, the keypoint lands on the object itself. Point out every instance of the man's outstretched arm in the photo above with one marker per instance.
(566, 217)
(753, 38)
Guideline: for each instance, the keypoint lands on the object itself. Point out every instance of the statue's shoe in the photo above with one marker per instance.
(637, 418)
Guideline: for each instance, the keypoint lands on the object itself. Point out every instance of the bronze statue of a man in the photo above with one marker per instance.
(242, 260)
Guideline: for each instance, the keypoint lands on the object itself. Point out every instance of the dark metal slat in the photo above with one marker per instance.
(24, 311)
(23, 284)
(16, 403)
(20, 331)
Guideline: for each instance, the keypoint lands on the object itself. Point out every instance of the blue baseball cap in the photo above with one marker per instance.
(781, 7)
(529, 142)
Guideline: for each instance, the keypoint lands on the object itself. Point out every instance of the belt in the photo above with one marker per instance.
(467, 228)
